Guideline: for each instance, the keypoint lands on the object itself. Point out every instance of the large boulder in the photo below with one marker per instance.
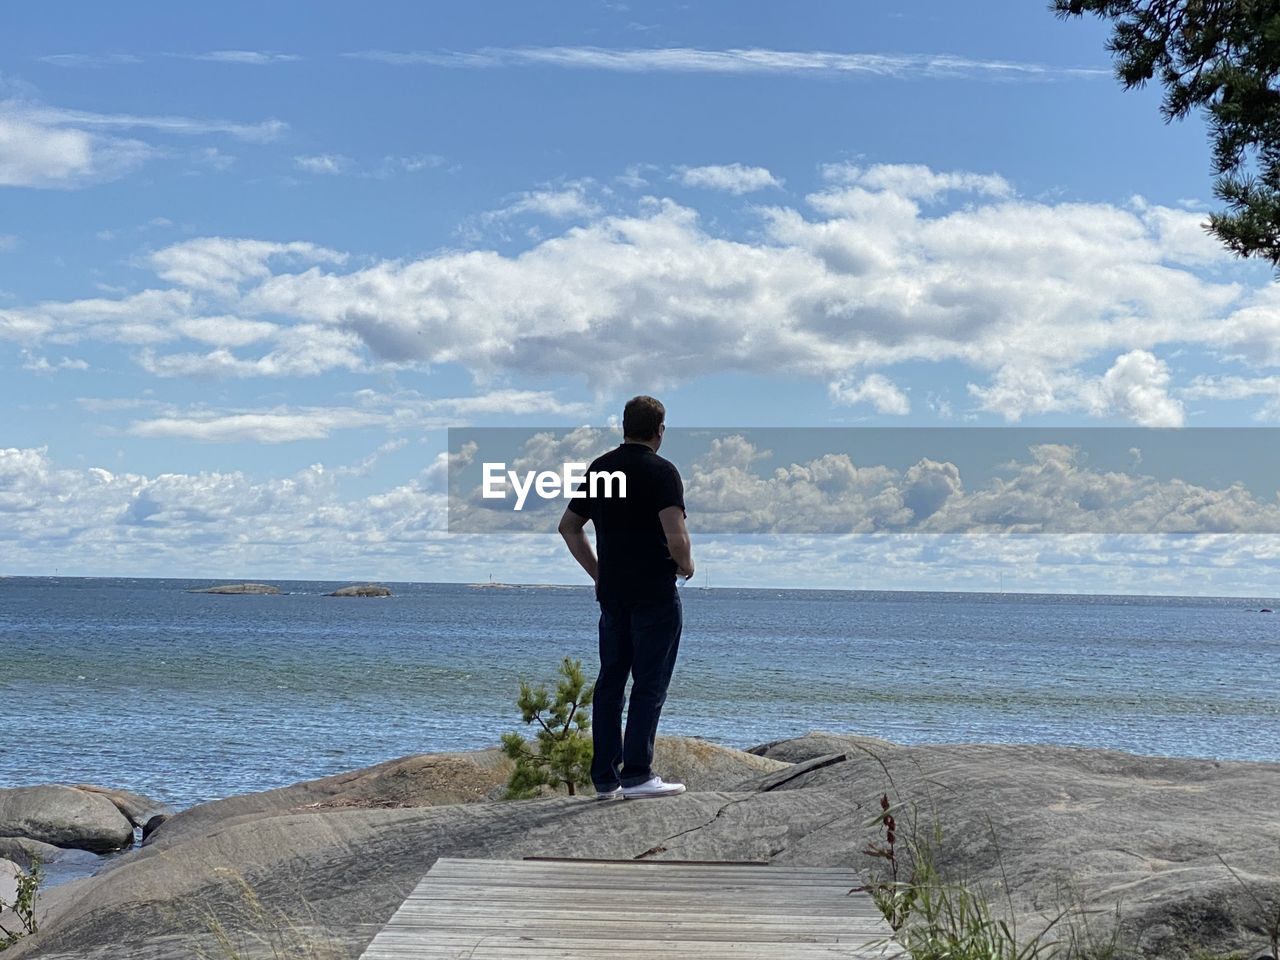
(426, 780)
(1099, 827)
(135, 806)
(64, 817)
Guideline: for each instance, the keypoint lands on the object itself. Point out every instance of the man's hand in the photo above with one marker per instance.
(678, 544)
(575, 537)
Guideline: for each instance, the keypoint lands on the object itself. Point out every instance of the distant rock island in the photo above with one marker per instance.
(264, 589)
(361, 590)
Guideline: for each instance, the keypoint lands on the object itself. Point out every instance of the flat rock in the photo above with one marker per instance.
(1111, 827)
(817, 744)
(135, 806)
(361, 590)
(438, 779)
(239, 588)
(64, 817)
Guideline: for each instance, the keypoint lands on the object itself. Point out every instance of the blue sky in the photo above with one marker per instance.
(254, 259)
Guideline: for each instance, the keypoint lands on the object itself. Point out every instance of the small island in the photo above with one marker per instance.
(361, 590)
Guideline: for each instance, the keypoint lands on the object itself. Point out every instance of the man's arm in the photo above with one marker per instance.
(678, 544)
(575, 537)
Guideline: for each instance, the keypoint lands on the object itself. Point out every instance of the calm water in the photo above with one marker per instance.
(187, 697)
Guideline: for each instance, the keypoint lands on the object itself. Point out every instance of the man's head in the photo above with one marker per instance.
(643, 421)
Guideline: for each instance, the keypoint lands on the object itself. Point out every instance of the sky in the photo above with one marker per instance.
(255, 260)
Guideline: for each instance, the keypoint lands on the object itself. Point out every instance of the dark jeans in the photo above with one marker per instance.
(639, 640)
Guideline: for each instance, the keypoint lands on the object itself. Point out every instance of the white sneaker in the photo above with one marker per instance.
(652, 788)
(614, 794)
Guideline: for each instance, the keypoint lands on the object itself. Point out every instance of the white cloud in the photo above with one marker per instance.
(1231, 388)
(214, 158)
(514, 402)
(569, 203)
(405, 410)
(221, 265)
(43, 146)
(7, 242)
(90, 59)
(264, 427)
(301, 351)
(1182, 234)
(1135, 388)
(136, 318)
(225, 331)
(325, 163)
(262, 132)
(740, 61)
(734, 178)
(866, 275)
(103, 522)
(177, 521)
(250, 57)
(336, 164)
(876, 389)
(40, 155)
(916, 181)
(413, 163)
(38, 364)
(1238, 388)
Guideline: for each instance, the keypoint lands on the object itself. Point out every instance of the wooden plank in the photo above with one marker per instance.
(601, 908)
(637, 933)
(435, 888)
(711, 863)
(568, 948)
(629, 867)
(557, 909)
(630, 916)
(419, 910)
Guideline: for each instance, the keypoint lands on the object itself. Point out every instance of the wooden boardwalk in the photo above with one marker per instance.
(591, 909)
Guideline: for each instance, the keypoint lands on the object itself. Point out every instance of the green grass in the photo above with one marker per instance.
(254, 931)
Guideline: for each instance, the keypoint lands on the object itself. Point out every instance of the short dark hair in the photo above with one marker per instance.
(641, 418)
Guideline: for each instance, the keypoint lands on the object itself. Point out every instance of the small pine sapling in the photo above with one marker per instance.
(561, 753)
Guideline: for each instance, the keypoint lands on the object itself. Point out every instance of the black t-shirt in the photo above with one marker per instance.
(635, 564)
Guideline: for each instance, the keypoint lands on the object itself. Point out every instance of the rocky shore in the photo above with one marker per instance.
(315, 869)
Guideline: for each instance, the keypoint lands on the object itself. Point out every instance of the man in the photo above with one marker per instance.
(644, 546)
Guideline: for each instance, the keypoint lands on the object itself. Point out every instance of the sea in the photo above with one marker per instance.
(185, 697)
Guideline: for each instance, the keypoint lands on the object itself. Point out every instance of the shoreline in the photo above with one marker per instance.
(1119, 825)
(77, 867)
(692, 587)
